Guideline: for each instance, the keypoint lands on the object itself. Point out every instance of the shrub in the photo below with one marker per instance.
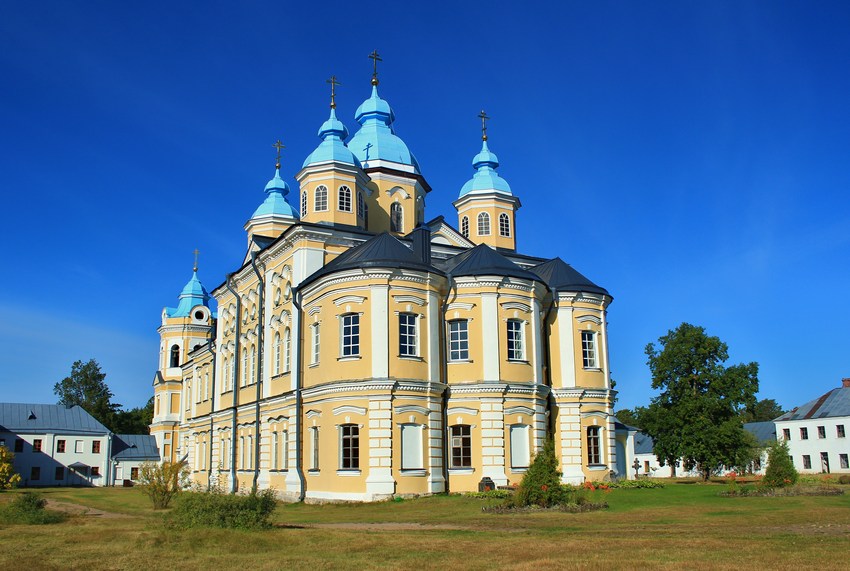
(491, 495)
(161, 482)
(780, 470)
(844, 479)
(642, 483)
(541, 485)
(8, 477)
(29, 508)
(216, 509)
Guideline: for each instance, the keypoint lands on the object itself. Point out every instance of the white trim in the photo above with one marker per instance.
(349, 409)
(349, 299)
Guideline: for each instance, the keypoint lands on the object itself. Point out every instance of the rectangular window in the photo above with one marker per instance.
(786, 433)
(35, 473)
(646, 466)
(842, 460)
(284, 465)
(411, 447)
(458, 340)
(350, 335)
(516, 349)
(593, 456)
(36, 445)
(349, 447)
(78, 446)
(95, 471)
(134, 473)
(407, 334)
(19, 445)
(60, 473)
(275, 450)
(839, 431)
(824, 462)
(821, 432)
(520, 451)
(807, 462)
(95, 447)
(804, 433)
(461, 446)
(588, 349)
(314, 442)
(314, 343)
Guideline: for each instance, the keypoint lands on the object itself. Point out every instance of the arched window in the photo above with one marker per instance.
(225, 368)
(244, 366)
(504, 225)
(287, 341)
(344, 199)
(483, 224)
(320, 203)
(361, 206)
(396, 218)
(464, 226)
(303, 204)
(175, 356)
(277, 353)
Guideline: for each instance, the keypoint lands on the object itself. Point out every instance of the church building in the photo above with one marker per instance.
(361, 351)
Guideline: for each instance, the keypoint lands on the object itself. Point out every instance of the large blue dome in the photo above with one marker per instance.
(375, 140)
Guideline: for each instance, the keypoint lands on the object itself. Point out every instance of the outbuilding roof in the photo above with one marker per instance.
(40, 418)
(134, 447)
(834, 403)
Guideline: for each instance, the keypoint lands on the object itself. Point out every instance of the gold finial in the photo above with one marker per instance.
(483, 116)
(195, 267)
(278, 145)
(333, 83)
(375, 59)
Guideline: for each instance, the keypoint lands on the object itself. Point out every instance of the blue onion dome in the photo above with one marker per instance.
(485, 179)
(193, 295)
(275, 203)
(376, 140)
(332, 148)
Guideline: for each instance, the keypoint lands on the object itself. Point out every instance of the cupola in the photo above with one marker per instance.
(275, 214)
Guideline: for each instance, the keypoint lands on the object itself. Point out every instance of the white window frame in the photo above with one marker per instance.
(304, 199)
(314, 448)
(277, 353)
(361, 206)
(593, 436)
(483, 224)
(458, 340)
(589, 353)
(287, 350)
(315, 344)
(344, 199)
(516, 339)
(408, 334)
(320, 200)
(504, 225)
(347, 443)
(520, 439)
(412, 456)
(396, 217)
(464, 226)
(349, 335)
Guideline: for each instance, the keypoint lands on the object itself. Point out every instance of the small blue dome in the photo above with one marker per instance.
(485, 179)
(275, 202)
(375, 140)
(332, 147)
(193, 295)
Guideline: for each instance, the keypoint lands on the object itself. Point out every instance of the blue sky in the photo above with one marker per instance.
(693, 158)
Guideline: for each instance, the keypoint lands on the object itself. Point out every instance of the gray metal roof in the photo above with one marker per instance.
(643, 443)
(39, 418)
(134, 447)
(482, 260)
(834, 403)
(763, 431)
(559, 275)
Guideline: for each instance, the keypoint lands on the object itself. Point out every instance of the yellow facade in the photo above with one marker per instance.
(359, 352)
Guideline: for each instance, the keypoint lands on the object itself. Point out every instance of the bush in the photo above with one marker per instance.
(161, 482)
(216, 509)
(8, 478)
(844, 479)
(629, 484)
(491, 495)
(541, 485)
(780, 470)
(29, 508)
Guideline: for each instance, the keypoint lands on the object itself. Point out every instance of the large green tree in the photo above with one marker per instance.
(134, 421)
(698, 414)
(86, 387)
(763, 410)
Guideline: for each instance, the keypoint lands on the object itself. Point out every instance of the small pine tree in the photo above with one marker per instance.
(780, 470)
(541, 484)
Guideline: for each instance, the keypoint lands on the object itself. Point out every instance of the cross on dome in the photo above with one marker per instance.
(278, 145)
(484, 117)
(375, 59)
(333, 81)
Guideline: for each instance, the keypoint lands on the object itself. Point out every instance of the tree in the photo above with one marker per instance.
(86, 387)
(631, 416)
(8, 478)
(134, 421)
(763, 410)
(780, 470)
(161, 482)
(697, 415)
(542, 481)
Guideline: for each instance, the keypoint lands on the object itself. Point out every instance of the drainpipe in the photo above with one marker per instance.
(547, 360)
(444, 365)
(229, 283)
(297, 369)
(211, 345)
(260, 353)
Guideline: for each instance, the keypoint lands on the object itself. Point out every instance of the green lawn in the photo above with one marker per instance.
(672, 528)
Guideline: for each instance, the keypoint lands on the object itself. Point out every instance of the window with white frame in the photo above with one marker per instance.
(483, 224)
(842, 461)
(804, 433)
(520, 445)
(275, 450)
(349, 447)
(821, 432)
(287, 349)
(344, 199)
(464, 226)
(786, 433)
(839, 431)
(411, 447)
(461, 445)
(593, 451)
(588, 349)
(361, 206)
(459, 340)
(504, 225)
(277, 353)
(244, 367)
(284, 455)
(253, 376)
(807, 462)
(314, 343)
(407, 334)
(350, 335)
(320, 202)
(396, 218)
(303, 204)
(516, 344)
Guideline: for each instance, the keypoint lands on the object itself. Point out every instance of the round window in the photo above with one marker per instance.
(199, 315)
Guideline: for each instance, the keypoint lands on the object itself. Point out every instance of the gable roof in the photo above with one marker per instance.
(22, 417)
(764, 432)
(643, 443)
(482, 260)
(561, 276)
(134, 447)
(834, 403)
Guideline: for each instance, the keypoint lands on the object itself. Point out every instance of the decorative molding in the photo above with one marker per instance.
(349, 409)
(409, 299)
(462, 410)
(520, 410)
(589, 318)
(459, 305)
(407, 408)
(516, 305)
(349, 299)
(313, 413)
(314, 310)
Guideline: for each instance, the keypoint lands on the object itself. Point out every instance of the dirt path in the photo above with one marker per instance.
(389, 526)
(77, 509)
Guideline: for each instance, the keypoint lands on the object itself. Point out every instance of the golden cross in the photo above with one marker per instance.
(278, 145)
(375, 59)
(333, 83)
(195, 268)
(483, 116)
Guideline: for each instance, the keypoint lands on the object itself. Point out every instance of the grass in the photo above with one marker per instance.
(670, 528)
